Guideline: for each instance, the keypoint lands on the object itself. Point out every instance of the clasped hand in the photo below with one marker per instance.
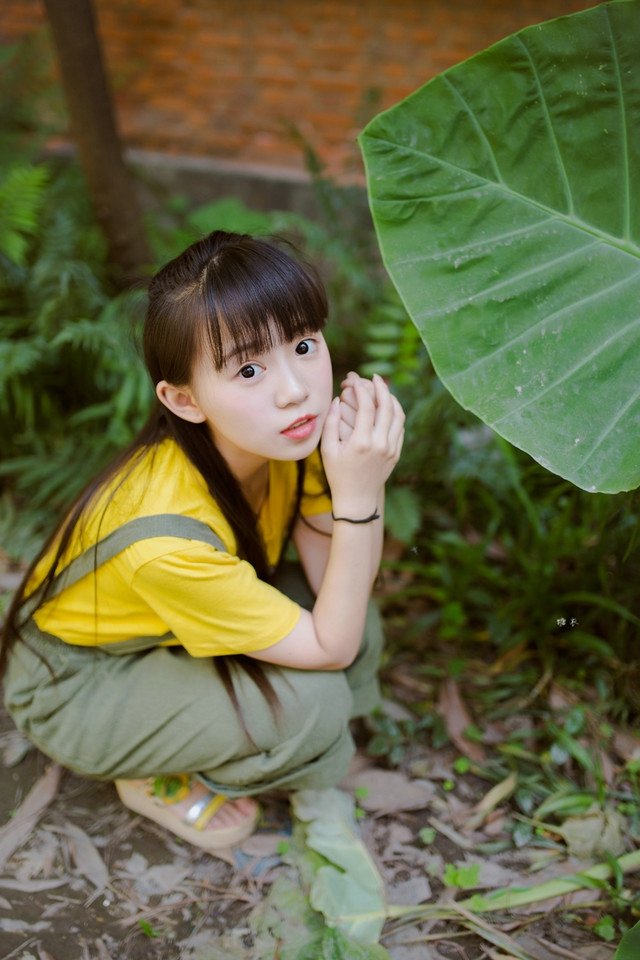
(362, 440)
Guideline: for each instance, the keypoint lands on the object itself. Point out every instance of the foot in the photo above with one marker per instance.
(232, 812)
(191, 810)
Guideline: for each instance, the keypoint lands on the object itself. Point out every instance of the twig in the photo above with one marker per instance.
(21, 946)
(161, 910)
(432, 937)
(489, 932)
(224, 891)
(521, 705)
(452, 834)
(562, 951)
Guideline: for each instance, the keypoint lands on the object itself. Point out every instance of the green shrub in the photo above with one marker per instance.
(72, 390)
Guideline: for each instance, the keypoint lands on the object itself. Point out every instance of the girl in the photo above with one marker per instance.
(159, 640)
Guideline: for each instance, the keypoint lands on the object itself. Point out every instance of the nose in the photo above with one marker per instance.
(291, 387)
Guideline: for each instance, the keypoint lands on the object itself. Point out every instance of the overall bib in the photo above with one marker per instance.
(135, 709)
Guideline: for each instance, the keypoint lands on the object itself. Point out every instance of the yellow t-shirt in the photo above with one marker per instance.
(211, 601)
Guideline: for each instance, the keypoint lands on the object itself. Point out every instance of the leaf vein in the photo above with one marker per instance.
(476, 123)
(511, 280)
(549, 318)
(610, 426)
(626, 199)
(569, 373)
(630, 247)
(491, 240)
(549, 124)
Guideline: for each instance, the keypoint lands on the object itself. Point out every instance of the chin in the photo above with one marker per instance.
(302, 451)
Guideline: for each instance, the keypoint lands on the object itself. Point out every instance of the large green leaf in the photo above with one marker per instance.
(629, 946)
(348, 890)
(505, 196)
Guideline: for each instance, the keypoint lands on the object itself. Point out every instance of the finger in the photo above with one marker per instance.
(348, 397)
(350, 379)
(348, 415)
(398, 446)
(384, 411)
(331, 429)
(365, 414)
(398, 422)
(344, 430)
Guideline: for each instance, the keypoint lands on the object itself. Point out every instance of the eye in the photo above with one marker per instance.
(249, 371)
(306, 346)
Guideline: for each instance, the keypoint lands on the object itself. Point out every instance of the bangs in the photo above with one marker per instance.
(257, 296)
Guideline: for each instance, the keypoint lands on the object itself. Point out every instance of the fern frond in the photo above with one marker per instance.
(19, 357)
(22, 192)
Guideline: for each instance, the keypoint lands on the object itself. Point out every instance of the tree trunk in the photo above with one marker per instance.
(111, 186)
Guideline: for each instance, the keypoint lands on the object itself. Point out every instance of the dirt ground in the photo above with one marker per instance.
(89, 880)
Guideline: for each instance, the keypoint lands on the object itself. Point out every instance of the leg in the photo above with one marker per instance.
(164, 712)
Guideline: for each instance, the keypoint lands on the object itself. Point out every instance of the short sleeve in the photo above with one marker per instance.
(214, 603)
(316, 496)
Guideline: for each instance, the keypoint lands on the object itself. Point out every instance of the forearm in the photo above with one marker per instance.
(341, 604)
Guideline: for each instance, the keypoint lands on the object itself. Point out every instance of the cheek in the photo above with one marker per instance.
(326, 371)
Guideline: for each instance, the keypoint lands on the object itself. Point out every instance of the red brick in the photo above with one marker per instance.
(224, 79)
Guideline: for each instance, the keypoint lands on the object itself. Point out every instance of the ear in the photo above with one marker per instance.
(180, 401)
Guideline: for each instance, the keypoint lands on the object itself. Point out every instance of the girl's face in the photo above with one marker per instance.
(266, 406)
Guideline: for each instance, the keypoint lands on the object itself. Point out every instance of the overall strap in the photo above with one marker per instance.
(142, 528)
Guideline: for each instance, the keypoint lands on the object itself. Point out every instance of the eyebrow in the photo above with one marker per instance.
(241, 352)
(244, 351)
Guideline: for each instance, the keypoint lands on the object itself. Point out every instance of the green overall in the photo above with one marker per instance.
(136, 709)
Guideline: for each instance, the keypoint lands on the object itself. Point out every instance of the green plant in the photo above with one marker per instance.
(464, 877)
(629, 946)
(72, 390)
(391, 739)
(503, 193)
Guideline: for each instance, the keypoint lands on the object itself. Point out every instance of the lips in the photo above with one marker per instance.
(298, 423)
(301, 429)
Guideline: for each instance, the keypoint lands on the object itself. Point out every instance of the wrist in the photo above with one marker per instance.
(360, 512)
(356, 520)
(356, 504)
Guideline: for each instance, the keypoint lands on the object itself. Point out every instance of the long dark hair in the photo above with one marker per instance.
(226, 287)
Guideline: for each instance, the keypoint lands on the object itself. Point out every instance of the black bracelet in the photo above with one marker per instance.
(374, 516)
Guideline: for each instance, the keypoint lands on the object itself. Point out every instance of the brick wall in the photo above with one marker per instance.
(225, 79)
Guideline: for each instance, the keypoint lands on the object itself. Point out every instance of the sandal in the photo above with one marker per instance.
(153, 798)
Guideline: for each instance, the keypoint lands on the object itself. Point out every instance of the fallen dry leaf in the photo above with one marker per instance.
(561, 699)
(31, 886)
(101, 951)
(607, 767)
(22, 926)
(491, 800)
(88, 861)
(596, 833)
(386, 791)
(160, 879)
(453, 711)
(409, 892)
(16, 831)
(626, 745)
